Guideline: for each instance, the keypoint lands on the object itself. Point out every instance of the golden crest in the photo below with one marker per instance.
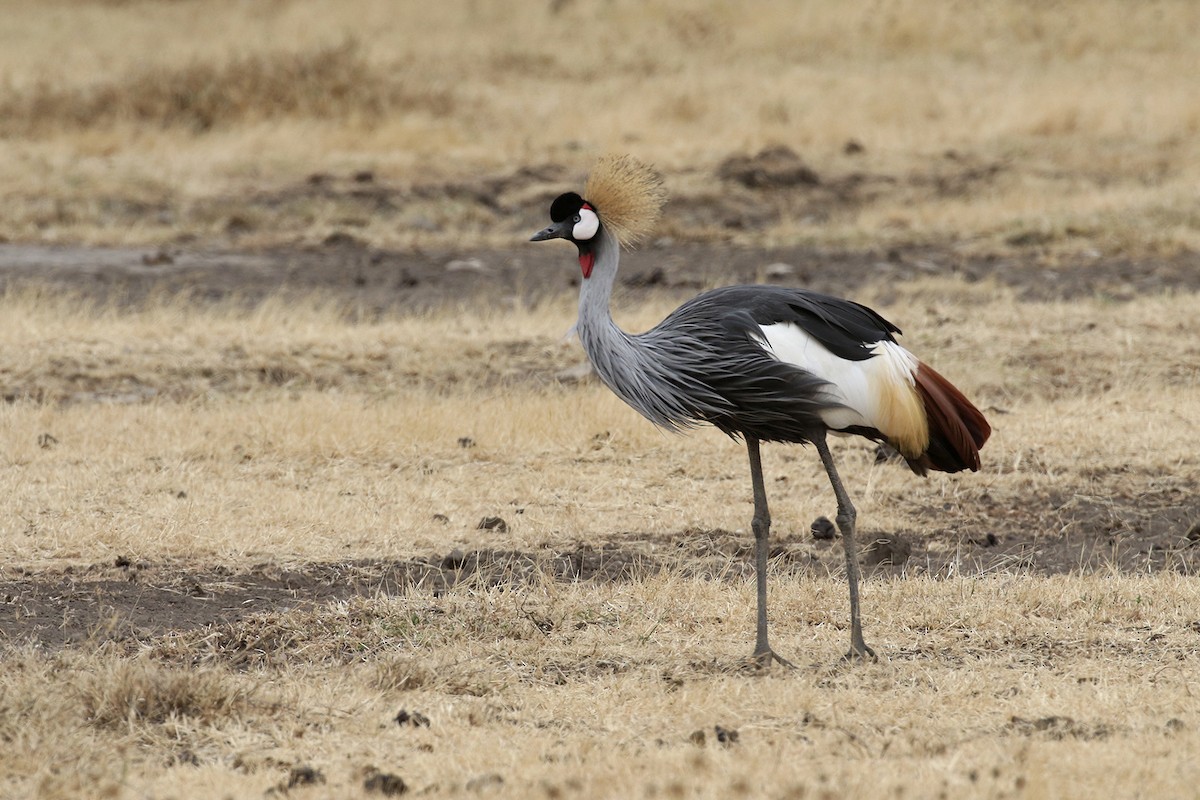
(627, 195)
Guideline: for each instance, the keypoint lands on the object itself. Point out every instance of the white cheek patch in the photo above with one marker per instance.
(587, 226)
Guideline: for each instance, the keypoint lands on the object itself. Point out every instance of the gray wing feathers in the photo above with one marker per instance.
(705, 364)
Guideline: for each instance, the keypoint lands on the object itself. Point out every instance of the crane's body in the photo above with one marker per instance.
(762, 363)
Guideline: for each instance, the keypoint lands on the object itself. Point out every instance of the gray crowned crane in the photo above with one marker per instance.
(761, 363)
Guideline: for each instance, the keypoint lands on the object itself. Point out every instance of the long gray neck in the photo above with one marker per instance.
(639, 369)
(621, 360)
(596, 328)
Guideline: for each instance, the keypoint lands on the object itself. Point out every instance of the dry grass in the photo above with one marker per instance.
(994, 687)
(218, 440)
(298, 433)
(297, 446)
(334, 82)
(125, 694)
(1067, 126)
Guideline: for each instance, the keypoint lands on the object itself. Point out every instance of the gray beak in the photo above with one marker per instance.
(559, 230)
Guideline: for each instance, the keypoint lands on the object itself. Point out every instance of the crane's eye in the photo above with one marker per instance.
(577, 218)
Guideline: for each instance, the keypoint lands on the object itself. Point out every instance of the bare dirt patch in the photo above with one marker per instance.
(132, 602)
(707, 238)
(380, 280)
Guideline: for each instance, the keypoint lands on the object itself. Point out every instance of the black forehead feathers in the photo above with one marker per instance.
(565, 205)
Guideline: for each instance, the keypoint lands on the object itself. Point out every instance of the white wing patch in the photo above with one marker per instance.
(877, 392)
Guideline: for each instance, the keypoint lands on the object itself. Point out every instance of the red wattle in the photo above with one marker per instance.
(586, 262)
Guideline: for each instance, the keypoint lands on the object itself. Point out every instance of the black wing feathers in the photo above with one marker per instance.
(845, 328)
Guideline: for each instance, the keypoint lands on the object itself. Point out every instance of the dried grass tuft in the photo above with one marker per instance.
(129, 692)
(332, 82)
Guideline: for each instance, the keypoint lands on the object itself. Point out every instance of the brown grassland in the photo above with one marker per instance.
(276, 363)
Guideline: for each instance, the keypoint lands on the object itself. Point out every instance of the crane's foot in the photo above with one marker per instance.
(764, 657)
(859, 652)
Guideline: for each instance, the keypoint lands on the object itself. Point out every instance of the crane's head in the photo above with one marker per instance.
(624, 196)
(574, 220)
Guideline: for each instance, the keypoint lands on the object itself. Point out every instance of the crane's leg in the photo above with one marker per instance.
(845, 520)
(761, 524)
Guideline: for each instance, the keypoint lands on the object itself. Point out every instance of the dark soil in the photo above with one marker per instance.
(376, 281)
(742, 200)
(136, 602)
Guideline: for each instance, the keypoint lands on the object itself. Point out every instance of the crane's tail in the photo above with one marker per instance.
(957, 429)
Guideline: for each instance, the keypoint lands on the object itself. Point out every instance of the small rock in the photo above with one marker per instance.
(304, 775)
(442, 518)
(454, 559)
(577, 374)
(159, 258)
(180, 495)
(123, 562)
(773, 168)
(386, 784)
(46, 441)
(1193, 534)
(853, 147)
(421, 222)
(698, 738)
(887, 550)
(364, 176)
(466, 265)
(1175, 725)
(466, 442)
(726, 736)
(991, 540)
(413, 718)
(341, 239)
(1055, 721)
(641, 280)
(493, 524)
(823, 529)
(601, 440)
(236, 225)
(778, 270)
(481, 783)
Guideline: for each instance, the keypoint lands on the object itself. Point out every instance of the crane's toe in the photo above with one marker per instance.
(860, 652)
(764, 658)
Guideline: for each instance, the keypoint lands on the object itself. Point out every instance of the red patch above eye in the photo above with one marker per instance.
(586, 262)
